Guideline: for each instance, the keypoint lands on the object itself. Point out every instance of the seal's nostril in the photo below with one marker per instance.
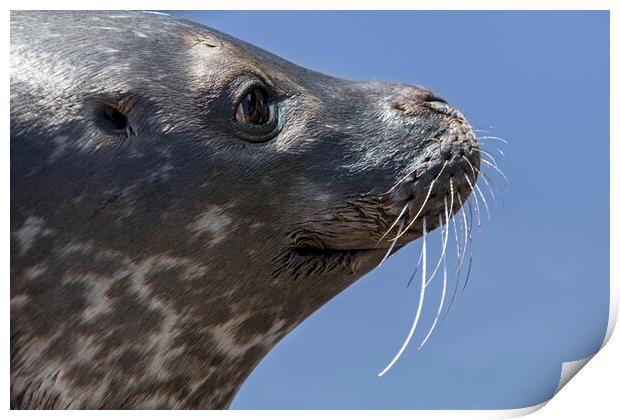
(431, 97)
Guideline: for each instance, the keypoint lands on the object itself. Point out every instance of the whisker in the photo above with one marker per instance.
(399, 181)
(441, 301)
(451, 200)
(461, 258)
(484, 178)
(471, 253)
(430, 189)
(495, 148)
(484, 201)
(459, 255)
(493, 138)
(420, 302)
(496, 168)
(443, 243)
(486, 129)
(395, 222)
(387, 254)
(473, 168)
(488, 181)
(492, 187)
(473, 192)
(487, 154)
(468, 270)
(415, 271)
(465, 224)
(456, 240)
(476, 198)
(448, 217)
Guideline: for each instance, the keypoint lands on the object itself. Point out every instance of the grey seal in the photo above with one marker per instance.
(181, 200)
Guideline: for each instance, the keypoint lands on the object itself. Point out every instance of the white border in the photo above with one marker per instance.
(317, 5)
(593, 393)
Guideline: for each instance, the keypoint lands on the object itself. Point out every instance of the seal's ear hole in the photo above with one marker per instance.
(112, 119)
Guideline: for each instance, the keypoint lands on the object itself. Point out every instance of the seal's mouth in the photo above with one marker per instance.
(313, 252)
(304, 260)
(374, 226)
(367, 228)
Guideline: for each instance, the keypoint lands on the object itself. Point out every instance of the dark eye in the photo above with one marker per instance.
(256, 116)
(253, 108)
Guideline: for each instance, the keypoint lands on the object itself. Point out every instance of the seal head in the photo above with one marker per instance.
(181, 200)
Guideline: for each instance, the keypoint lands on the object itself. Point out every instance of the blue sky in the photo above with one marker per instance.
(538, 294)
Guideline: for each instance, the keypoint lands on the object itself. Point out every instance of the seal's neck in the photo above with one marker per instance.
(227, 354)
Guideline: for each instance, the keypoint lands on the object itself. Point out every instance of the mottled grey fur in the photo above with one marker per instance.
(156, 267)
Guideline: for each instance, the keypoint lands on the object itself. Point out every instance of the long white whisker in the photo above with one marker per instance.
(496, 168)
(456, 239)
(456, 285)
(484, 178)
(493, 138)
(487, 154)
(476, 198)
(488, 181)
(415, 271)
(473, 192)
(430, 189)
(399, 181)
(443, 244)
(441, 301)
(451, 200)
(395, 222)
(461, 257)
(495, 148)
(387, 254)
(466, 228)
(484, 201)
(420, 303)
(471, 252)
(473, 169)
(492, 187)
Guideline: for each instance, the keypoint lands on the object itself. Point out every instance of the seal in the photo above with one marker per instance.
(181, 200)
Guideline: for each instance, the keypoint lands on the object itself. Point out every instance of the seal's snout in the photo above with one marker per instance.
(442, 153)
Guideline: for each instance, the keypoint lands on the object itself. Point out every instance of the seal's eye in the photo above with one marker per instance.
(255, 115)
(253, 108)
